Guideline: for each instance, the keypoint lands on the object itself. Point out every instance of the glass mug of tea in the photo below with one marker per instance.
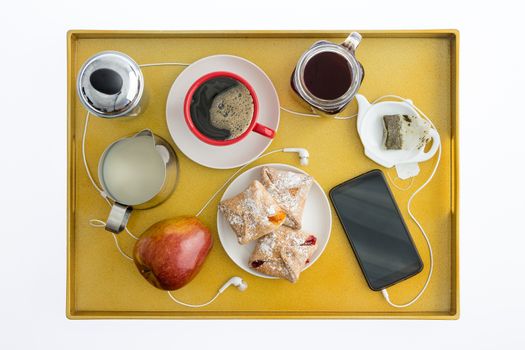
(328, 76)
(221, 108)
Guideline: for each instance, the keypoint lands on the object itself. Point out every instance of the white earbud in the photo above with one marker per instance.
(235, 281)
(303, 154)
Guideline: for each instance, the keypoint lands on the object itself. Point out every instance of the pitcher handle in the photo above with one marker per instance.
(352, 41)
(118, 217)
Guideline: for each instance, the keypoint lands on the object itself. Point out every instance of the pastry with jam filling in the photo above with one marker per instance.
(290, 190)
(283, 253)
(252, 213)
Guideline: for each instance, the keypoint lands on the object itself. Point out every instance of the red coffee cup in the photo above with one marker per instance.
(254, 126)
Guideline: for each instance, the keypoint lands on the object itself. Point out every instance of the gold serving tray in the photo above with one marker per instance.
(420, 65)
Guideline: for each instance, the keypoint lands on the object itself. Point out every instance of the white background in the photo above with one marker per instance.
(33, 174)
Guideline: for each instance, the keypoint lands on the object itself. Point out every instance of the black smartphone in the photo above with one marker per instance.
(376, 230)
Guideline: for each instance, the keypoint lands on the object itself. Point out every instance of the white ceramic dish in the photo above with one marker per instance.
(242, 152)
(370, 130)
(317, 219)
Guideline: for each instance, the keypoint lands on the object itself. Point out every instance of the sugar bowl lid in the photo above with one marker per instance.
(110, 84)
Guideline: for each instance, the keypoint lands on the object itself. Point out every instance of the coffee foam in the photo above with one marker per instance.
(232, 110)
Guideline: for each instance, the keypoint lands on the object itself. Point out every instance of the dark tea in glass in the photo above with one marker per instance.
(328, 75)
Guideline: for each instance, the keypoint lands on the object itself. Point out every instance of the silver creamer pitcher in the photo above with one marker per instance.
(136, 172)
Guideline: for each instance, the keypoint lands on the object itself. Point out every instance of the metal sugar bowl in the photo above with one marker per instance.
(110, 84)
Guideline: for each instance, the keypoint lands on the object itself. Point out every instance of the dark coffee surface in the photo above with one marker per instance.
(221, 108)
(327, 75)
(201, 103)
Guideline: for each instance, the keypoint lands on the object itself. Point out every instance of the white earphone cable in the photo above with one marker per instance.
(316, 115)
(313, 115)
(345, 117)
(86, 166)
(102, 193)
(100, 223)
(427, 240)
(194, 305)
(393, 182)
(300, 113)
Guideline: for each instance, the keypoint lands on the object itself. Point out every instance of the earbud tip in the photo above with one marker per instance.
(243, 286)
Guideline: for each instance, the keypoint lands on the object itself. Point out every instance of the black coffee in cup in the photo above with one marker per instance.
(222, 108)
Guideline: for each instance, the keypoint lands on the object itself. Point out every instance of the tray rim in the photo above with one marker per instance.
(452, 34)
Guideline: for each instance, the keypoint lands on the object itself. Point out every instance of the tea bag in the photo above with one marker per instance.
(405, 132)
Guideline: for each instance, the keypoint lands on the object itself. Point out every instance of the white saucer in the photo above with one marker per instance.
(242, 152)
(317, 219)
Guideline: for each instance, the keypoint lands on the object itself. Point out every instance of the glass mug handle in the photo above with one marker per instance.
(264, 130)
(352, 41)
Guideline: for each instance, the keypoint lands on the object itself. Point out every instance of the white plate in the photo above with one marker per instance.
(242, 152)
(317, 219)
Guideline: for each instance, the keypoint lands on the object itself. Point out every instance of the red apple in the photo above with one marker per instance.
(171, 252)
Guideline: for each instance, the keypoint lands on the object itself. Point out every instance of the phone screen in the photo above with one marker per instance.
(376, 230)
